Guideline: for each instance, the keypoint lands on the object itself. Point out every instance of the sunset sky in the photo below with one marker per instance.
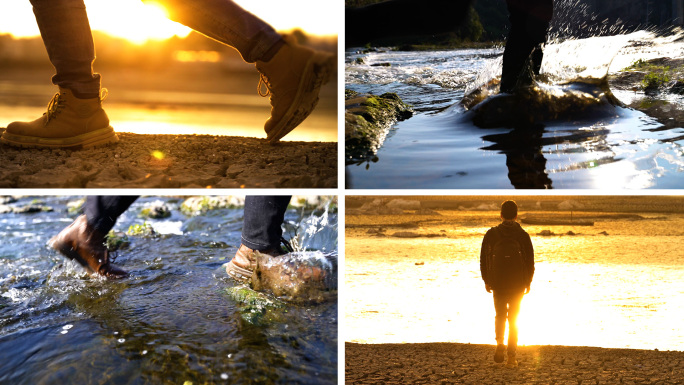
(137, 22)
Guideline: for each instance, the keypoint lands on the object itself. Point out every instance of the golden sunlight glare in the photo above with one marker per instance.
(139, 22)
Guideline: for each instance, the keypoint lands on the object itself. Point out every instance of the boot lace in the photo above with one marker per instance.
(264, 83)
(58, 103)
(55, 106)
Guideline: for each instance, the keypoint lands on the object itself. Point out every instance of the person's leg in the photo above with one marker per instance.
(103, 211)
(501, 308)
(84, 240)
(292, 74)
(75, 118)
(514, 299)
(529, 25)
(264, 216)
(228, 23)
(517, 51)
(66, 34)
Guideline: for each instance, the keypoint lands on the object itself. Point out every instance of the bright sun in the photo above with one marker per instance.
(138, 22)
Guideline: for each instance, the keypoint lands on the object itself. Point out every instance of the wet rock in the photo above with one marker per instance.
(297, 276)
(199, 205)
(156, 211)
(145, 231)
(314, 202)
(7, 199)
(26, 209)
(539, 103)
(677, 87)
(419, 263)
(546, 233)
(604, 233)
(253, 306)
(117, 241)
(368, 119)
(75, 207)
(385, 64)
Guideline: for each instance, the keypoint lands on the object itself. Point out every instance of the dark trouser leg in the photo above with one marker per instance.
(501, 308)
(103, 211)
(529, 24)
(263, 217)
(514, 299)
(66, 34)
(228, 23)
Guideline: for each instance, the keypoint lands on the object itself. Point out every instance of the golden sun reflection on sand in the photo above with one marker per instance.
(583, 293)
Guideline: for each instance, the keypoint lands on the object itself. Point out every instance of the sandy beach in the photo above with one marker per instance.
(452, 363)
(174, 161)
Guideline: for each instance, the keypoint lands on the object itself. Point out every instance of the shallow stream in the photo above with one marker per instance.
(436, 149)
(171, 321)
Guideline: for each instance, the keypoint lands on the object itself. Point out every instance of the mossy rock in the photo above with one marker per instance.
(145, 231)
(199, 205)
(32, 208)
(314, 202)
(76, 207)
(158, 211)
(117, 241)
(368, 119)
(255, 307)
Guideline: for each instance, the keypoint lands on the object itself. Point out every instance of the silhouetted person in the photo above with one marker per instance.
(291, 74)
(530, 21)
(507, 267)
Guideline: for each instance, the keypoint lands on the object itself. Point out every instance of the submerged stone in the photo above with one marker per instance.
(539, 103)
(297, 276)
(254, 307)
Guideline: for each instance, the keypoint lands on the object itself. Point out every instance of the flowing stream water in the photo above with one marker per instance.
(436, 148)
(171, 321)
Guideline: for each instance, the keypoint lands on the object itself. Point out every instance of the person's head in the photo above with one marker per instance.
(509, 210)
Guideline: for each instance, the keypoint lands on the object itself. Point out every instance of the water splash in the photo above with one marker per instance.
(318, 230)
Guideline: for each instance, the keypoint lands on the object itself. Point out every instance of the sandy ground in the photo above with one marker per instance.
(451, 363)
(187, 161)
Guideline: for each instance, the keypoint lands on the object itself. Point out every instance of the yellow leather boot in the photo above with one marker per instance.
(69, 122)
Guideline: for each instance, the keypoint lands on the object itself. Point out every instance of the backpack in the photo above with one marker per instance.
(507, 267)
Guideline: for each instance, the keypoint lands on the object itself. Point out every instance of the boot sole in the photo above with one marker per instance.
(238, 273)
(318, 71)
(97, 138)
